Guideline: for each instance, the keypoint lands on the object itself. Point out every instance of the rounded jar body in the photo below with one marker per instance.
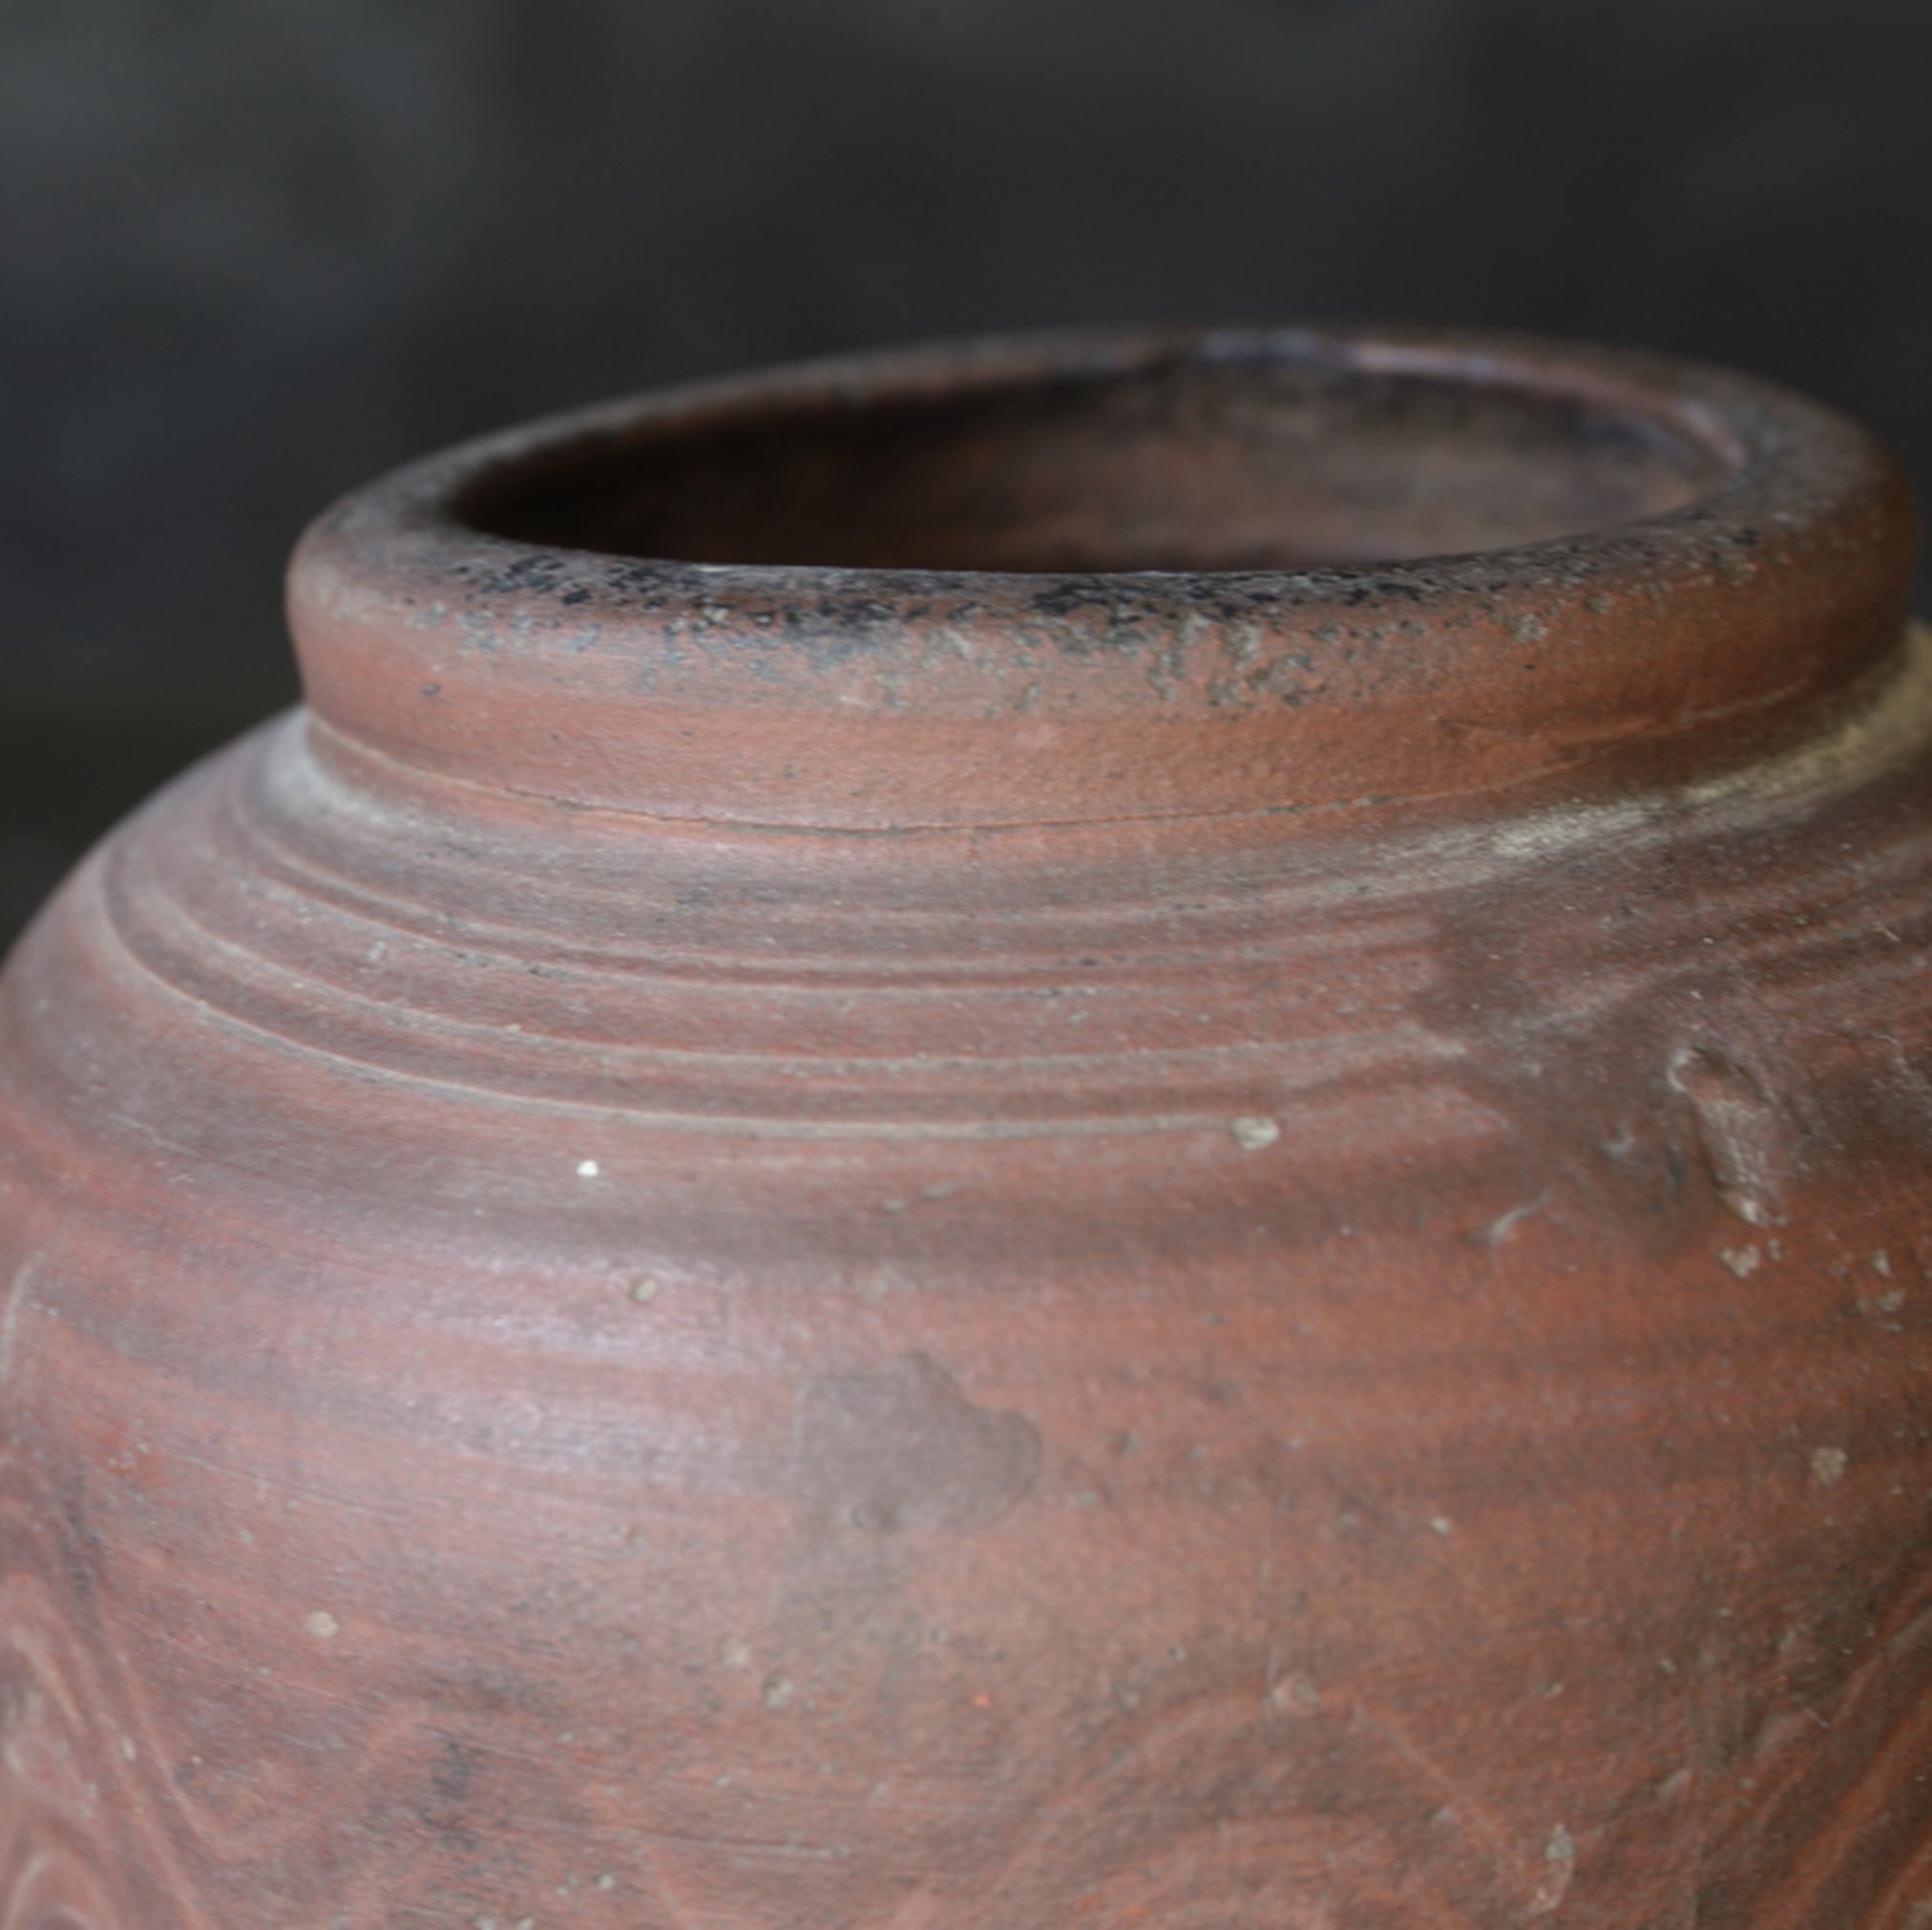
(1159, 1155)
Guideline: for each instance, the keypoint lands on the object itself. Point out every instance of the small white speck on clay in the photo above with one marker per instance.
(778, 1690)
(877, 1282)
(1559, 1856)
(588, 1169)
(1828, 1466)
(320, 1623)
(1253, 1130)
(646, 1288)
(1743, 1261)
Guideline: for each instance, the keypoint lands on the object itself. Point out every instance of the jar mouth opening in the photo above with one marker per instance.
(1277, 451)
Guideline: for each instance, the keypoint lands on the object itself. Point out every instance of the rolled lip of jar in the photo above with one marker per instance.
(1760, 585)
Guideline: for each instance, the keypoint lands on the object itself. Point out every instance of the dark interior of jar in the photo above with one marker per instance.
(1192, 462)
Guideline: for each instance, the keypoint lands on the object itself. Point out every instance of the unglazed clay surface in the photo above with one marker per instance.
(1057, 1209)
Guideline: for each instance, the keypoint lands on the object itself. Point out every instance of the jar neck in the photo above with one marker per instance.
(858, 620)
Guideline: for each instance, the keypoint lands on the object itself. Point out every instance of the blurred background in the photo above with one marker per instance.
(252, 251)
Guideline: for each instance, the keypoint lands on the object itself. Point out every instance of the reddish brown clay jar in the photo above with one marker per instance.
(1118, 1131)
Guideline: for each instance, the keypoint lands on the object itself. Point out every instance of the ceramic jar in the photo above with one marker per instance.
(1107, 1131)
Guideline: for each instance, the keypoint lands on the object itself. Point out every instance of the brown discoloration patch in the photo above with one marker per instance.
(901, 1449)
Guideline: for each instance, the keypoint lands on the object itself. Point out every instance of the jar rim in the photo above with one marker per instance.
(1769, 569)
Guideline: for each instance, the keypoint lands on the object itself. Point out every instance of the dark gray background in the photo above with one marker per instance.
(255, 250)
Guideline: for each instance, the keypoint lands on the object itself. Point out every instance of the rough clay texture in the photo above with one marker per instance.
(818, 1321)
